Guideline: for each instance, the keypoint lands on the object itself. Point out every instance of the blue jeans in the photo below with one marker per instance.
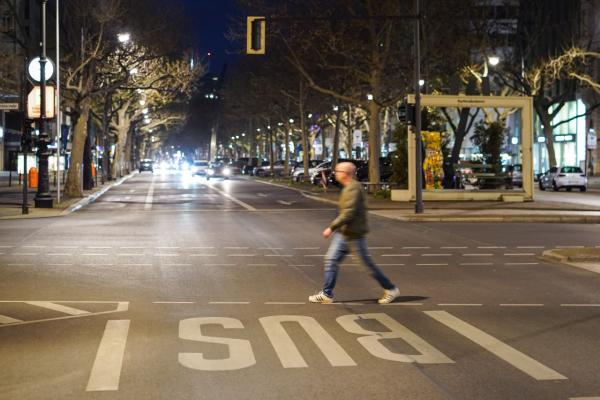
(338, 249)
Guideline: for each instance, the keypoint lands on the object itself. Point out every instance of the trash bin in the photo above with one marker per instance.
(33, 177)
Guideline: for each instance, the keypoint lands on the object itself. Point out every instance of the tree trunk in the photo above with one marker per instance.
(73, 187)
(374, 144)
(336, 137)
(545, 119)
(286, 167)
(350, 126)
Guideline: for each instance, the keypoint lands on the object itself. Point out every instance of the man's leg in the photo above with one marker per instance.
(338, 249)
(376, 273)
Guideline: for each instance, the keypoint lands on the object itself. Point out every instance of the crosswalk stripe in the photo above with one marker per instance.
(505, 352)
(106, 371)
(57, 307)
(4, 319)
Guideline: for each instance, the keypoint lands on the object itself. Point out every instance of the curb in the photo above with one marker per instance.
(555, 255)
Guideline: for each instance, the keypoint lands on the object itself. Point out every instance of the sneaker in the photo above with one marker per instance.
(389, 296)
(320, 298)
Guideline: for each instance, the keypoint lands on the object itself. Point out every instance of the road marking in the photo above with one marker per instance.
(19, 265)
(527, 263)
(432, 265)
(130, 254)
(519, 254)
(24, 254)
(6, 247)
(381, 248)
(505, 352)
(403, 304)
(396, 255)
(531, 247)
(241, 255)
(219, 265)
(177, 265)
(491, 247)
(32, 246)
(270, 248)
(236, 248)
(416, 247)
(66, 247)
(59, 265)
(261, 195)
(99, 247)
(580, 305)
(461, 304)
(148, 205)
(278, 255)
(59, 254)
(522, 305)
(477, 255)
(4, 319)
(306, 248)
(137, 265)
(301, 265)
(569, 247)
(390, 265)
(167, 247)
(131, 247)
(476, 264)
(284, 302)
(286, 203)
(57, 307)
(436, 255)
(228, 302)
(106, 371)
(166, 255)
(230, 197)
(261, 265)
(174, 302)
(202, 248)
(453, 247)
(203, 255)
(127, 197)
(98, 265)
(94, 254)
(314, 255)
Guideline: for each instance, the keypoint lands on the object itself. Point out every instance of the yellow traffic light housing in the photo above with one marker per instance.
(255, 35)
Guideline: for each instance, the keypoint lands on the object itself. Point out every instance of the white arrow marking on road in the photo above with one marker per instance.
(261, 195)
(287, 203)
(106, 371)
(507, 353)
(58, 307)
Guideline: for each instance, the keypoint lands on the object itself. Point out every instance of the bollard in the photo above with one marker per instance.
(33, 177)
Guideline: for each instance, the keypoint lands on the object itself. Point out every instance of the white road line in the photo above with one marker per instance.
(284, 302)
(203, 255)
(416, 247)
(127, 197)
(390, 265)
(59, 254)
(220, 265)
(453, 247)
(98, 265)
(476, 264)
(19, 265)
(202, 248)
(230, 197)
(301, 265)
(177, 265)
(131, 247)
(174, 302)
(130, 254)
(94, 254)
(106, 371)
(4, 319)
(137, 265)
(580, 305)
(477, 255)
(314, 255)
(531, 247)
(403, 304)
(461, 304)
(527, 263)
(491, 247)
(396, 255)
(228, 302)
(24, 254)
(505, 352)
(278, 255)
(381, 248)
(148, 205)
(522, 305)
(432, 265)
(99, 247)
(165, 255)
(436, 255)
(261, 265)
(6, 247)
(57, 307)
(519, 254)
(270, 248)
(569, 247)
(306, 248)
(167, 247)
(241, 255)
(66, 247)
(236, 248)
(32, 246)
(59, 265)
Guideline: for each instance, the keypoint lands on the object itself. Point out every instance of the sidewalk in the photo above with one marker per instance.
(11, 199)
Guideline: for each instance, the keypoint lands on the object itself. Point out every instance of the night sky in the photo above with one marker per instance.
(212, 20)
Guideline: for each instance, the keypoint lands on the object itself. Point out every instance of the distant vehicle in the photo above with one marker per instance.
(298, 172)
(563, 177)
(218, 170)
(146, 165)
(278, 169)
(515, 174)
(200, 167)
(318, 171)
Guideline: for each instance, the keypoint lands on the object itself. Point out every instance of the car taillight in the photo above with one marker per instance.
(561, 175)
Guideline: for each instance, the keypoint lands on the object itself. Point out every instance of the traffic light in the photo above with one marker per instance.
(406, 113)
(27, 141)
(255, 35)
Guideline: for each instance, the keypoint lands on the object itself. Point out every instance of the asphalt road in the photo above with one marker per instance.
(172, 287)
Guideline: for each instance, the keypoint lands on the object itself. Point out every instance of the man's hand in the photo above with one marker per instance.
(327, 232)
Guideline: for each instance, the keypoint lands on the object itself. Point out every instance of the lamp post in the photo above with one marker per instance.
(419, 208)
(43, 198)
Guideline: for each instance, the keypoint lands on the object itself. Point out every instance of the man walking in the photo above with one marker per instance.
(350, 228)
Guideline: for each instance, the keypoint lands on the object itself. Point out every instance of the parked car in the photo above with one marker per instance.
(200, 167)
(278, 169)
(515, 174)
(218, 170)
(260, 167)
(563, 177)
(362, 171)
(318, 171)
(298, 171)
(146, 165)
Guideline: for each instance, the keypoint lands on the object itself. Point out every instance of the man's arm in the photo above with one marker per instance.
(348, 208)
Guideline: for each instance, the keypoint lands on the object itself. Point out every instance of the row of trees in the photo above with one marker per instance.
(337, 59)
(124, 68)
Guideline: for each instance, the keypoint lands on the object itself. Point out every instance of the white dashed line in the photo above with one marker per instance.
(174, 302)
(461, 304)
(130, 254)
(431, 265)
(228, 302)
(20, 265)
(66, 247)
(531, 247)
(491, 247)
(24, 254)
(396, 255)
(219, 265)
(60, 254)
(270, 248)
(529, 263)
(519, 254)
(476, 263)
(416, 247)
(32, 246)
(580, 305)
(278, 255)
(306, 248)
(203, 255)
(262, 265)
(241, 255)
(436, 255)
(166, 255)
(99, 247)
(59, 265)
(202, 248)
(236, 248)
(402, 304)
(137, 265)
(380, 248)
(6, 247)
(131, 248)
(301, 265)
(391, 265)
(314, 255)
(94, 254)
(167, 247)
(478, 255)
(522, 305)
(284, 302)
(177, 265)
(453, 247)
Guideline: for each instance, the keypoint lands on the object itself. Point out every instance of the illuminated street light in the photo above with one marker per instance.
(335, 108)
(124, 37)
(493, 60)
(421, 82)
(309, 115)
(369, 97)
(291, 120)
(145, 110)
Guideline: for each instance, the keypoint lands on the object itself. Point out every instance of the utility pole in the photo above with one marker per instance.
(419, 208)
(43, 198)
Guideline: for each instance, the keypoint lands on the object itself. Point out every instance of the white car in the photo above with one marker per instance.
(298, 173)
(200, 167)
(563, 177)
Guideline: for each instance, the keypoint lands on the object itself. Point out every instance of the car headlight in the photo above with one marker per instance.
(210, 171)
(226, 171)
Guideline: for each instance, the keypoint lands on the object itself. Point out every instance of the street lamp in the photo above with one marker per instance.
(124, 37)
(493, 60)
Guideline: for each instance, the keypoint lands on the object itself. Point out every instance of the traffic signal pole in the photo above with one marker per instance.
(419, 207)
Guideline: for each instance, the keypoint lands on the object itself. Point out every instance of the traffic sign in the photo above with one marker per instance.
(9, 106)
